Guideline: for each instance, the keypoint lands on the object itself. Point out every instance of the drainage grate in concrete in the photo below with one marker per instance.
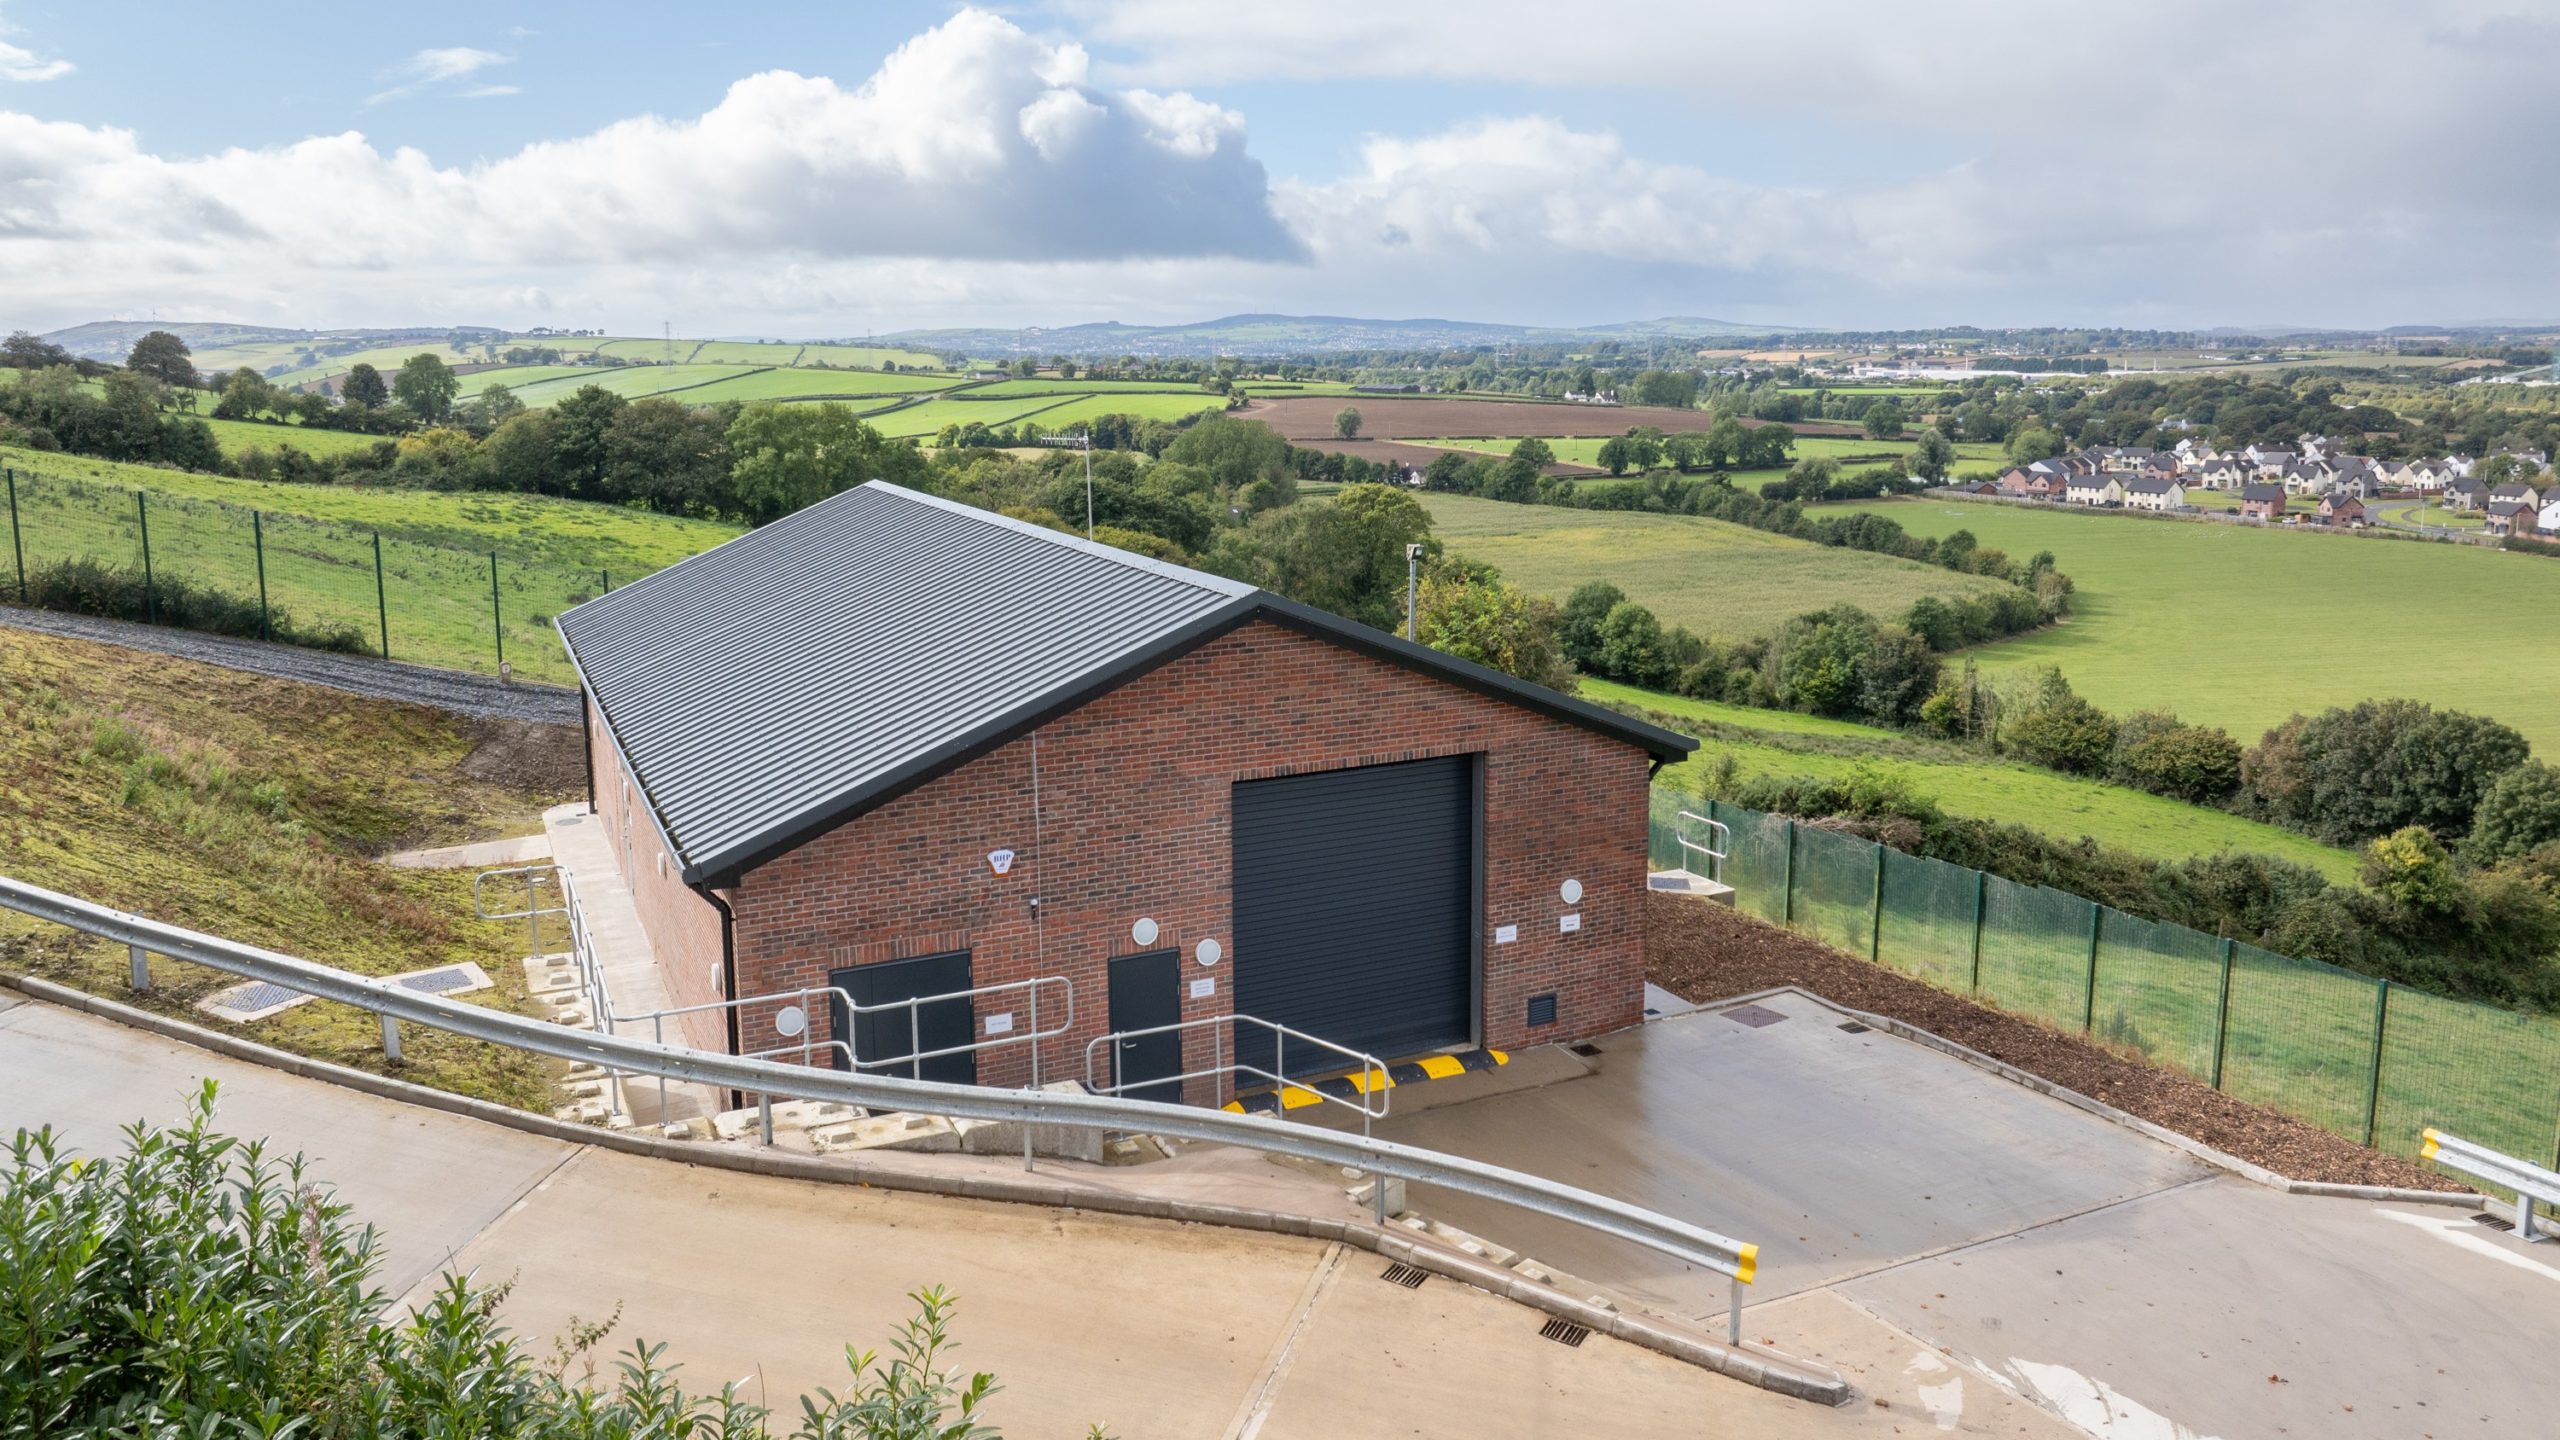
(1564, 1332)
(1755, 1016)
(1586, 1049)
(1853, 1027)
(2492, 1221)
(250, 1000)
(1405, 1275)
(444, 980)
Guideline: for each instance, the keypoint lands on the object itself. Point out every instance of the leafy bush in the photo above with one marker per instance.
(199, 1285)
(88, 586)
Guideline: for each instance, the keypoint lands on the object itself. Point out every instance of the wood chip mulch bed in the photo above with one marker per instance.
(1705, 953)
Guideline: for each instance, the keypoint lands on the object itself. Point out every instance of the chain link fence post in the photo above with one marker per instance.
(1787, 915)
(2089, 994)
(17, 546)
(497, 621)
(2373, 1079)
(1875, 913)
(1981, 903)
(142, 514)
(258, 542)
(2222, 1010)
(381, 600)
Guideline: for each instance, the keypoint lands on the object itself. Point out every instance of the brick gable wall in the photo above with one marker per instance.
(1133, 820)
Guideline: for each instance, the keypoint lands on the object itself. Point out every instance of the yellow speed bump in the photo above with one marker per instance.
(1366, 1081)
(1750, 1264)
(1441, 1067)
(1299, 1097)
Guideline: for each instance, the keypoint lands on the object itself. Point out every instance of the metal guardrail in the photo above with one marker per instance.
(582, 951)
(1678, 1239)
(1716, 831)
(2530, 1181)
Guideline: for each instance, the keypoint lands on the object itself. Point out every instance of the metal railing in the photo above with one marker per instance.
(1717, 832)
(2530, 1181)
(581, 950)
(1222, 1068)
(1678, 1239)
(809, 1047)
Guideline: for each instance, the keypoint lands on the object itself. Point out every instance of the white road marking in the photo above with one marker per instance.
(2096, 1406)
(2460, 1231)
(1945, 1400)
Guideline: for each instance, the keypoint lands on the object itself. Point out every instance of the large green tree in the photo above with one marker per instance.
(427, 386)
(787, 457)
(364, 388)
(164, 357)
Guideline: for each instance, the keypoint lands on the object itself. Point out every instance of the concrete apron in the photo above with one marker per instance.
(1058, 1186)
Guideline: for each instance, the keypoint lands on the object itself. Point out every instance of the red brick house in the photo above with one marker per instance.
(902, 747)
(2262, 501)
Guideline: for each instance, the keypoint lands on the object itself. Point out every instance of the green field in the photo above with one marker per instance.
(1718, 579)
(747, 384)
(1780, 743)
(926, 419)
(2214, 621)
(518, 378)
(1086, 387)
(384, 358)
(237, 435)
(1146, 407)
(632, 382)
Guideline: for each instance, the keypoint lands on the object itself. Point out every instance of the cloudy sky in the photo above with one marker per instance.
(827, 169)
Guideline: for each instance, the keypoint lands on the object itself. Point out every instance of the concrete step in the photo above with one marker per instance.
(1682, 882)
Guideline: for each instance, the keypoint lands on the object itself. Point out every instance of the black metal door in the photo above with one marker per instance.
(1145, 993)
(910, 1030)
(1355, 910)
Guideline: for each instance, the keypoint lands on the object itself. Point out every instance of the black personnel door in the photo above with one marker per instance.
(1355, 896)
(1146, 993)
(892, 1034)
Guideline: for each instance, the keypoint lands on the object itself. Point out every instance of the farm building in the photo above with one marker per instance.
(903, 748)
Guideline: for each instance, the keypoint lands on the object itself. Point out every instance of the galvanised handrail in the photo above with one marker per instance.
(1601, 1214)
(2530, 1181)
(1220, 1066)
(582, 952)
(1717, 831)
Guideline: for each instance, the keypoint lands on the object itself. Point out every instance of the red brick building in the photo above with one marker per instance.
(905, 748)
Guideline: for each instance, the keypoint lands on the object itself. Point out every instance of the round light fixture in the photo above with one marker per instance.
(1144, 932)
(1572, 892)
(1208, 952)
(790, 1020)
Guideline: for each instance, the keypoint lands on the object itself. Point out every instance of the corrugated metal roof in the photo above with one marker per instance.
(795, 676)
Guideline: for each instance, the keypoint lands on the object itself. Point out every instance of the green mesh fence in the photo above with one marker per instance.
(2300, 1039)
(1836, 888)
(2482, 1074)
(2159, 991)
(2035, 951)
(1757, 863)
(1928, 919)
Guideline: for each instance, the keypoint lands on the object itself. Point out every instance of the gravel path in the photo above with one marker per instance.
(464, 694)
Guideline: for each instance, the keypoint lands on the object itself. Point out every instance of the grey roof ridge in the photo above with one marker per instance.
(1200, 579)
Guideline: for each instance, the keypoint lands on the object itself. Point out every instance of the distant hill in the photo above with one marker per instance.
(1304, 335)
(112, 340)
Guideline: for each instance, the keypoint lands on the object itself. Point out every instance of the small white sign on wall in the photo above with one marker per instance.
(1204, 987)
(1569, 924)
(1000, 1024)
(1505, 934)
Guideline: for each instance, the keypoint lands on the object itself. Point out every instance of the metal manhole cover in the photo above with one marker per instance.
(435, 982)
(1755, 1016)
(250, 1000)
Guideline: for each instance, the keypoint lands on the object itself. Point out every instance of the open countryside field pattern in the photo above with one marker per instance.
(2241, 626)
(1718, 579)
(1781, 743)
(1418, 417)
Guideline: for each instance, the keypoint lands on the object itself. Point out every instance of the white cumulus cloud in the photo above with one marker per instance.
(974, 141)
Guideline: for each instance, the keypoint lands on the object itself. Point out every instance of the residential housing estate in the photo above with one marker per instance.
(2337, 486)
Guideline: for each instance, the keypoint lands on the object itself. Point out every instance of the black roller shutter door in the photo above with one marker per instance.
(1355, 909)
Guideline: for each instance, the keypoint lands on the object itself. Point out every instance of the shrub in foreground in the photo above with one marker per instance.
(199, 1285)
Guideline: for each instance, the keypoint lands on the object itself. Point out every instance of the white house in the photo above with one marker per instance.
(2099, 489)
(2227, 472)
(2303, 478)
(2549, 521)
(2149, 493)
(2518, 492)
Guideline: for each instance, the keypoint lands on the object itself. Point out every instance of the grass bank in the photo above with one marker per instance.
(255, 809)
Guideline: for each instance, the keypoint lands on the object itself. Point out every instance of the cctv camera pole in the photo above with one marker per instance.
(1088, 484)
(1412, 574)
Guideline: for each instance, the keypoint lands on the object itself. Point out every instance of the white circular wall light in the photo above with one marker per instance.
(790, 1020)
(1208, 952)
(1571, 890)
(1144, 932)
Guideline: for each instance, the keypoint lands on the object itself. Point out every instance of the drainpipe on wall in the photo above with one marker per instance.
(728, 973)
(587, 747)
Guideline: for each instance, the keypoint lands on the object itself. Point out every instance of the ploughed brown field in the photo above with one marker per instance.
(1304, 418)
